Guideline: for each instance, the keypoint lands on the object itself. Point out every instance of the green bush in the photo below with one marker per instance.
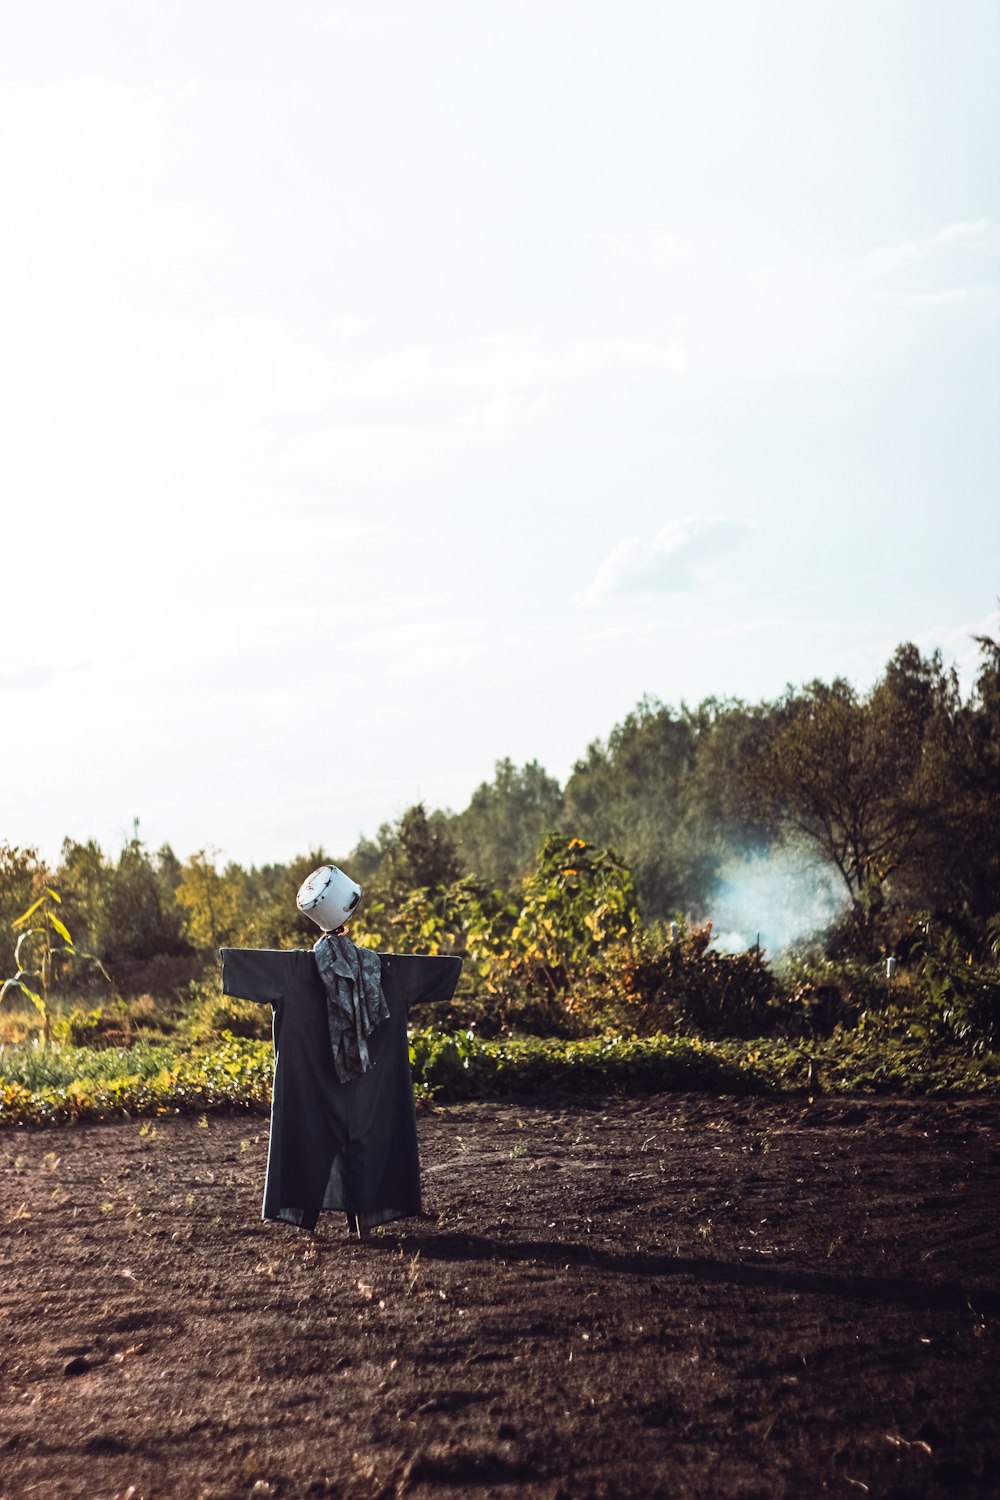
(92, 1028)
(961, 1000)
(665, 979)
(506, 1008)
(944, 991)
(209, 1014)
(821, 994)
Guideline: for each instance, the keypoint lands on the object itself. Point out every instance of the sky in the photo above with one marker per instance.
(387, 389)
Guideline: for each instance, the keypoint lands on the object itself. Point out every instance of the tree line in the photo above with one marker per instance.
(896, 789)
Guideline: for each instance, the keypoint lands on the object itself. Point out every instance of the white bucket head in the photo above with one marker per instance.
(328, 897)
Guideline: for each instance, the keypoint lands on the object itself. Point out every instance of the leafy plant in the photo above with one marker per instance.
(54, 942)
(579, 899)
(670, 978)
(961, 996)
(209, 1014)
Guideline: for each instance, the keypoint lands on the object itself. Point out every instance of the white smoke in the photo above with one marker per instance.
(782, 894)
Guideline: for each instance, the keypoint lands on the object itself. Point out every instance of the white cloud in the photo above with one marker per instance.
(966, 229)
(887, 258)
(956, 643)
(519, 360)
(88, 217)
(735, 310)
(957, 294)
(663, 250)
(25, 676)
(675, 560)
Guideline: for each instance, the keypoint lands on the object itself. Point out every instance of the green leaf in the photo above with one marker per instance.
(62, 930)
(32, 995)
(75, 952)
(54, 894)
(30, 912)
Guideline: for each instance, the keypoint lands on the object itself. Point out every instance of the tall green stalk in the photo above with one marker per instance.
(51, 927)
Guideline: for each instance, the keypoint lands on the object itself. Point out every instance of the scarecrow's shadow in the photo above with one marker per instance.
(889, 1290)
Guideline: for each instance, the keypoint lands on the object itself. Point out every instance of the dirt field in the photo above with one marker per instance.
(677, 1296)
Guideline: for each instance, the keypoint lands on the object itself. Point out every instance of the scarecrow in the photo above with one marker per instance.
(343, 1126)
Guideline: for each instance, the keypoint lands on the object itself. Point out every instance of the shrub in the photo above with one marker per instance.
(821, 994)
(961, 996)
(93, 1028)
(671, 980)
(209, 1014)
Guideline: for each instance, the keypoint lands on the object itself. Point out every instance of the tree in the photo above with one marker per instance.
(135, 921)
(632, 794)
(124, 908)
(853, 777)
(966, 874)
(84, 879)
(420, 852)
(499, 832)
(213, 911)
(981, 813)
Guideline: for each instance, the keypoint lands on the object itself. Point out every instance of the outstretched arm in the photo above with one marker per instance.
(426, 977)
(258, 974)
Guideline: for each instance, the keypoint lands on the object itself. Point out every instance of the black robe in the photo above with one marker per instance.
(347, 1146)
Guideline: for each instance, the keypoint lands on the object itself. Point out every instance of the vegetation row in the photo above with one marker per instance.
(63, 1084)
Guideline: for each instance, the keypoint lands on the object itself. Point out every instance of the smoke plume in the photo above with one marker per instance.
(781, 894)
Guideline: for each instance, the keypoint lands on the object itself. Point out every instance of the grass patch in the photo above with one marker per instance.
(63, 1084)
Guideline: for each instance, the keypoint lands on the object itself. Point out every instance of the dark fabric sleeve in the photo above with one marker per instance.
(260, 974)
(426, 977)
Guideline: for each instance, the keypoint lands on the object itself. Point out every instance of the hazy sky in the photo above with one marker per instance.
(392, 387)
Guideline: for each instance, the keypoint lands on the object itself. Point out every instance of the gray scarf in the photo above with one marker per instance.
(355, 1004)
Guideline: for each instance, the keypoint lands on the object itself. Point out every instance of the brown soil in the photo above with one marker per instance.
(678, 1296)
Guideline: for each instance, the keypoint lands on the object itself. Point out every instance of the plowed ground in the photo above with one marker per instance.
(677, 1296)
